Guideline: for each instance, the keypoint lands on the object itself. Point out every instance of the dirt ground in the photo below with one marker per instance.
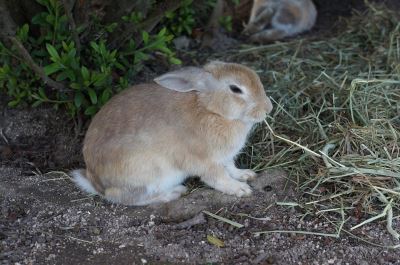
(45, 219)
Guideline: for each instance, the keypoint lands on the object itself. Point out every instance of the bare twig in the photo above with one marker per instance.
(80, 240)
(3, 136)
(78, 126)
(35, 68)
(212, 28)
(198, 219)
(68, 7)
(7, 24)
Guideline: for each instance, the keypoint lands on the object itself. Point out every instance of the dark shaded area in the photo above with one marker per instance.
(329, 12)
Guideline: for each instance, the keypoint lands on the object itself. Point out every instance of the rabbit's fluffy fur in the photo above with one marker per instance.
(272, 20)
(148, 139)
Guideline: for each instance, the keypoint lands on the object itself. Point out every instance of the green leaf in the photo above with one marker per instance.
(169, 14)
(92, 95)
(62, 76)
(140, 56)
(175, 60)
(165, 50)
(53, 52)
(94, 46)
(78, 99)
(75, 86)
(113, 53)
(101, 78)
(131, 44)
(169, 38)
(43, 2)
(39, 53)
(85, 73)
(120, 66)
(91, 110)
(105, 96)
(162, 32)
(23, 32)
(13, 103)
(37, 97)
(72, 53)
(215, 241)
(145, 37)
(71, 45)
(103, 49)
(37, 103)
(65, 46)
(42, 93)
(50, 19)
(110, 28)
(51, 68)
(39, 18)
(70, 74)
(74, 64)
(187, 28)
(63, 19)
(81, 28)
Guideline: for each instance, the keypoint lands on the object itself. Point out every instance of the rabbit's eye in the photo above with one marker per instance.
(235, 89)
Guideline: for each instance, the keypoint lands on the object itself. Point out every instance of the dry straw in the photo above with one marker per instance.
(336, 123)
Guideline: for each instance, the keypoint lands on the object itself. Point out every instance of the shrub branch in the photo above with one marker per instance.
(35, 68)
(68, 7)
(8, 36)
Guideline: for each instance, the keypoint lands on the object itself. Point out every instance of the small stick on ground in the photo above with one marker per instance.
(3, 136)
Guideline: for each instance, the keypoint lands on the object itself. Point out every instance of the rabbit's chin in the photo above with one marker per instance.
(254, 120)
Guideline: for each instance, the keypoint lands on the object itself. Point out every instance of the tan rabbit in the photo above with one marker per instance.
(272, 20)
(148, 139)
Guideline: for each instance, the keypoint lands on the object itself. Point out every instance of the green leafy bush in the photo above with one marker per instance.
(91, 76)
(193, 14)
(182, 20)
(226, 22)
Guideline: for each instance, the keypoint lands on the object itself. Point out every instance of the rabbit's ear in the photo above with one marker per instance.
(187, 79)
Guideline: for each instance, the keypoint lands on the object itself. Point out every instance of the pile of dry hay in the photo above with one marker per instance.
(336, 120)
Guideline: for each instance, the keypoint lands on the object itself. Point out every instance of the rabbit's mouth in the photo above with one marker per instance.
(256, 116)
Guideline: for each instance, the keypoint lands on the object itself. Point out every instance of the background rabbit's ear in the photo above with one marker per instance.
(187, 79)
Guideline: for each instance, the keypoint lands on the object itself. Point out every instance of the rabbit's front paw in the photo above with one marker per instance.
(237, 188)
(243, 174)
(174, 193)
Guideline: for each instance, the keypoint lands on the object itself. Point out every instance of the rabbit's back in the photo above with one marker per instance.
(138, 109)
(131, 119)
